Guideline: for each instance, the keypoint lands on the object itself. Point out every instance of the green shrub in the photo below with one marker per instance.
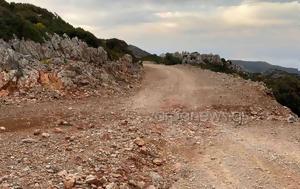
(40, 26)
(153, 58)
(170, 59)
(285, 87)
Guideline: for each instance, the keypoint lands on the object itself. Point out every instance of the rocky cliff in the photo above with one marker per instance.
(60, 65)
(210, 61)
(206, 59)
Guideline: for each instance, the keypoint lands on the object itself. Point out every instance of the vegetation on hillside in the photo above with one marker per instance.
(31, 22)
(285, 87)
(168, 59)
(153, 58)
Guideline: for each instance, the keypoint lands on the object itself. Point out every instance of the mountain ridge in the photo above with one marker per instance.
(262, 66)
(138, 52)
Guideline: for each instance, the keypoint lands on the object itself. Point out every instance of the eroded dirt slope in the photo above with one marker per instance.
(183, 128)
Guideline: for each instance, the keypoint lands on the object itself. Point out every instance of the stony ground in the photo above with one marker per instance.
(183, 128)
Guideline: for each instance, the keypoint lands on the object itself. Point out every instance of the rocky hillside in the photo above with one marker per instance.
(59, 66)
(33, 23)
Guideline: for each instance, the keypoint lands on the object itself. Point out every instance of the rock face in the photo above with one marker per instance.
(206, 59)
(197, 58)
(59, 64)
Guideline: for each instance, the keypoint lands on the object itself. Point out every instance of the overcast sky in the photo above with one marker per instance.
(266, 30)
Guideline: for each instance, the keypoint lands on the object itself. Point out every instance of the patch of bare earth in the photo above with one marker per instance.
(184, 128)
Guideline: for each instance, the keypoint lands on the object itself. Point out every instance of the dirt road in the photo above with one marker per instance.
(260, 154)
(184, 121)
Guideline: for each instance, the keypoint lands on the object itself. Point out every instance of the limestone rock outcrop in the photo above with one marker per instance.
(196, 58)
(59, 64)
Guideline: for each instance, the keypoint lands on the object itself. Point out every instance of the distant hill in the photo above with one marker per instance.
(137, 52)
(261, 67)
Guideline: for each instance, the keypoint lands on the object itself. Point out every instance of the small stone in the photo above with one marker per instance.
(4, 178)
(62, 173)
(91, 179)
(29, 140)
(132, 183)
(151, 187)
(70, 138)
(144, 150)
(111, 186)
(69, 182)
(80, 128)
(26, 169)
(124, 186)
(64, 123)
(58, 130)
(116, 175)
(140, 142)
(158, 161)
(37, 185)
(124, 122)
(291, 119)
(37, 132)
(50, 171)
(140, 184)
(45, 135)
(156, 178)
(2, 129)
(254, 113)
(177, 167)
(102, 180)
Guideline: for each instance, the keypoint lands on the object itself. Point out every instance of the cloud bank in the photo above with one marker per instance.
(251, 29)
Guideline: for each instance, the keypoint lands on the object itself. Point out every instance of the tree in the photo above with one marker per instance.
(170, 59)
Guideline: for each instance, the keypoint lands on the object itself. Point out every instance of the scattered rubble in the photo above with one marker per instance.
(117, 147)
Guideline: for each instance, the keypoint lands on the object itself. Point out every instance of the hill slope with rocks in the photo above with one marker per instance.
(59, 66)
